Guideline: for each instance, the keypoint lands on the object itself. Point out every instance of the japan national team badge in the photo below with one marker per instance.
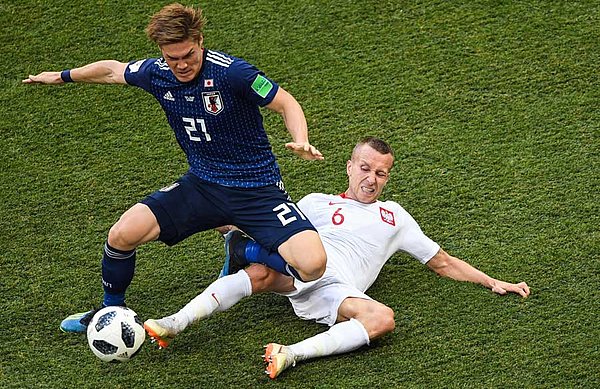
(213, 103)
(387, 216)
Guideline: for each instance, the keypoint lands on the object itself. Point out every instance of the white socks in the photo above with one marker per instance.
(218, 296)
(227, 291)
(340, 338)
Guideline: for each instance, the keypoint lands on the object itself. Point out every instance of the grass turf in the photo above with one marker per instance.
(492, 108)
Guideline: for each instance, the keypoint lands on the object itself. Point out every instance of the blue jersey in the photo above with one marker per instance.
(216, 117)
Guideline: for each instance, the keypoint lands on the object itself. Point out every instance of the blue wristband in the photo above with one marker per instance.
(65, 75)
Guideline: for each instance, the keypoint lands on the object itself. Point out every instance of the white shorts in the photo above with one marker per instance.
(320, 300)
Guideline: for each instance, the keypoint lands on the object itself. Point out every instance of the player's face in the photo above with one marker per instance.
(368, 172)
(184, 58)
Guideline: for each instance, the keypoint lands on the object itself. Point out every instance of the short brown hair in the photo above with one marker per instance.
(377, 144)
(175, 23)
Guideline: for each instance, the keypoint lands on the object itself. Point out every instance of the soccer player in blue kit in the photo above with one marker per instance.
(212, 102)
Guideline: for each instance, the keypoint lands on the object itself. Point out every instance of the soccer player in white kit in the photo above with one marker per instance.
(360, 233)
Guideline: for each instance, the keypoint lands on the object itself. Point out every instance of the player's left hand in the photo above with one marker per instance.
(44, 78)
(503, 288)
(304, 150)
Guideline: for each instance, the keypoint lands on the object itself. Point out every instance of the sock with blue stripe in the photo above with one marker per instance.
(255, 253)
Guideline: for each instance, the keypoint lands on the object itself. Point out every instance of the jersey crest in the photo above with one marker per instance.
(387, 216)
(213, 103)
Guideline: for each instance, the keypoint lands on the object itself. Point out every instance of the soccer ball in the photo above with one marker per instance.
(115, 334)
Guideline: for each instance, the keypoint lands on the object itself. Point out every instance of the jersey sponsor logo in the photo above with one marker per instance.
(134, 67)
(169, 96)
(262, 86)
(209, 83)
(387, 216)
(213, 103)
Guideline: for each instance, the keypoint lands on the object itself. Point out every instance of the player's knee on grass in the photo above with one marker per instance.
(260, 277)
(378, 319)
(386, 320)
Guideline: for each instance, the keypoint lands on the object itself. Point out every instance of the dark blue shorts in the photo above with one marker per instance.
(192, 205)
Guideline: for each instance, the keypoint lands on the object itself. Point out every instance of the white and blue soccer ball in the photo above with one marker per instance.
(115, 334)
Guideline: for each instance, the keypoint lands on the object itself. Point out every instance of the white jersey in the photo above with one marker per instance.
(360, 238)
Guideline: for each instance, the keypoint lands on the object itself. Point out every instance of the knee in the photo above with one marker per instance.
(136, 226)
(314, 267)
(309, 273)
(120, 238)
(306, 254)
(387, 320)
(383, 322)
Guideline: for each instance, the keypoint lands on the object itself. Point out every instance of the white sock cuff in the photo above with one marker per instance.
(227, 291)
(244, 279)
(358, 324)
(341, 338)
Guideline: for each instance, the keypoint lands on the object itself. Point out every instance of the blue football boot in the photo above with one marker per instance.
(233, 261)
(78, 322)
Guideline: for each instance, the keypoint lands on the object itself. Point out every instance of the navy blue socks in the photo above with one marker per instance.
(117, 272)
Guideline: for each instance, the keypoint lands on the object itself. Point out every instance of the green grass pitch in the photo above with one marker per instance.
(493, 108)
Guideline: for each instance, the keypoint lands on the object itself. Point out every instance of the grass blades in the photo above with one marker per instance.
(492, 108)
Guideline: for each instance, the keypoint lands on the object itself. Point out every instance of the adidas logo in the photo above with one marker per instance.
(169, 96)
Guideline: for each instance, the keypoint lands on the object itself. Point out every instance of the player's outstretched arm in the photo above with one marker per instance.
(448, 266)
(286, 105)
(101, 72)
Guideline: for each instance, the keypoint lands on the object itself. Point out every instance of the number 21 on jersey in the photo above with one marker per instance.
(284, 210)
(192, 129)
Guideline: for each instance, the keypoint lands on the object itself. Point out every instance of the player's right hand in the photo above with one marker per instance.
(502, 288)
(44, 78)
(305, 150)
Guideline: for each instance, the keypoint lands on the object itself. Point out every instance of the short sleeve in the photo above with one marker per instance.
(414, 242)
(250, 83)
(137, 73)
